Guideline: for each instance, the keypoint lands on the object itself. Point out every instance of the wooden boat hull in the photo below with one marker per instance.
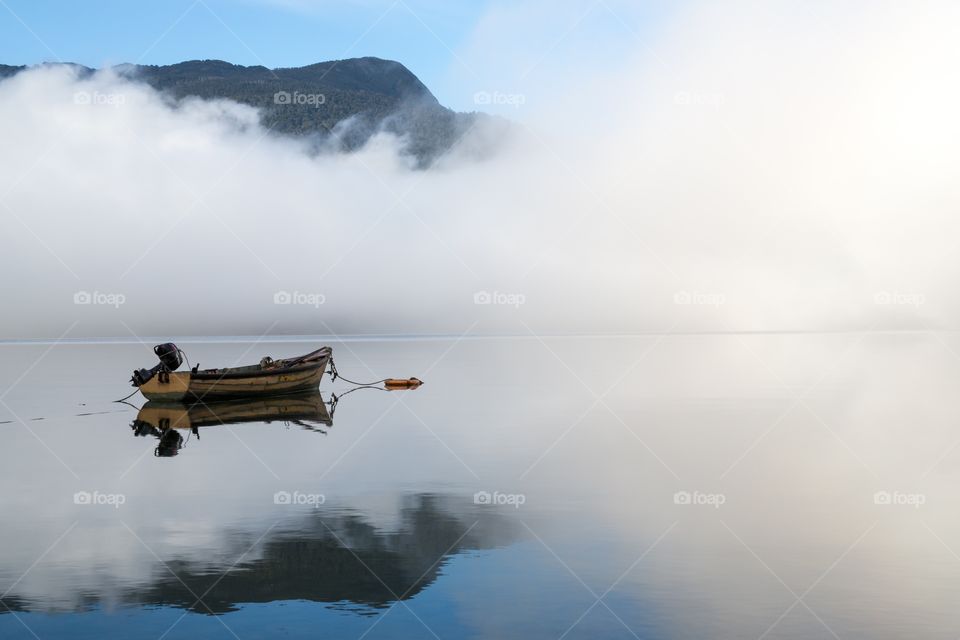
(241, 382)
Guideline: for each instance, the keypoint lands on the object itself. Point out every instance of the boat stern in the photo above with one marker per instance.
(167, 387)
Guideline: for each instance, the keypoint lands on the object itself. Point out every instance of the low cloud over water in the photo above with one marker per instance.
(738, 169)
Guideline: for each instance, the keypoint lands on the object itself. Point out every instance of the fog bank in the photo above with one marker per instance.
(750, 168)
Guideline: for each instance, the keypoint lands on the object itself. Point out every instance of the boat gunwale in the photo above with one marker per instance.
(229, 373)
(200, 375)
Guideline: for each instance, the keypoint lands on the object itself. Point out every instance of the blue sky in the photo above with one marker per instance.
(426, 35)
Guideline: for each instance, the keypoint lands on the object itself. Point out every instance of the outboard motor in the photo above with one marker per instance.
(170, 360)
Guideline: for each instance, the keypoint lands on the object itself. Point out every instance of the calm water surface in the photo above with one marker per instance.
(784, 486)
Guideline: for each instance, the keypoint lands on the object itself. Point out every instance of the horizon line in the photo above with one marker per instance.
(414, 337)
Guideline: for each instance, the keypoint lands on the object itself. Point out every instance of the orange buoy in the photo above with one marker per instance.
(395, 383)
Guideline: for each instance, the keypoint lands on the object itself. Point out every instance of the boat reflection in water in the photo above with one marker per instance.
(166, 420)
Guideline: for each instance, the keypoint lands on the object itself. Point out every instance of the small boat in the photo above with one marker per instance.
(269, 378)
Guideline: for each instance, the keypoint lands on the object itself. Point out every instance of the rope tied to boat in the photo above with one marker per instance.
(334, 374)
(127, 397)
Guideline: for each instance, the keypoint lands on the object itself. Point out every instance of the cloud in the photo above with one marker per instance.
(751, 168)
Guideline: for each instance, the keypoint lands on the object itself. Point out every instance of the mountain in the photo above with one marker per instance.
(6, 70)
(368, 94)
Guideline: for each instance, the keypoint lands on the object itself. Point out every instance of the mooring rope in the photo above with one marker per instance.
(123, 399)
(336, 374)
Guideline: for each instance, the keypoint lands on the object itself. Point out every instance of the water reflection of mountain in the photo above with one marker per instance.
(328, 557)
